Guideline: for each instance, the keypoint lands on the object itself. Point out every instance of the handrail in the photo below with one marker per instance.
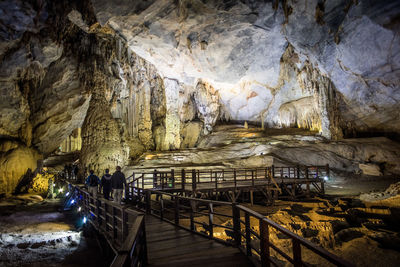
(176, 209)
(128, 249)
(318, 250)
(124, 226)
(193, 179)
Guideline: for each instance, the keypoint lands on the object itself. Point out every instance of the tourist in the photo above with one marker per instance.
(92, 181)
(106, 184)
(118, 181)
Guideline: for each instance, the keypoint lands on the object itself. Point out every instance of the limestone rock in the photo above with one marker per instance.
(354, 47)
(190, 134)
(370, 169)
(15, 160)
(54, 120)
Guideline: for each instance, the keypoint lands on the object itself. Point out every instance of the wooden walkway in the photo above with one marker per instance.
(169, 245)
(182, 231)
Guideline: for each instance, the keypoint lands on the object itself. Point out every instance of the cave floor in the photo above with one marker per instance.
(34, 233)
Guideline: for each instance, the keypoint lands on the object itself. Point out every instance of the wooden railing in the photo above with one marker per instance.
(192, 178)
(235, 225)
(215, 179)
(123, 228)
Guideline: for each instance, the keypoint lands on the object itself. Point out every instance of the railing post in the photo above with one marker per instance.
(183, 179)
(173, 178)
(327, 171)
(124, 224)
(264, 244)
(143, 180)
(161, 207)
(148, 202)
(252, 178)
(194, 180)
(216, 180)
(211, 219)
(273, 171)
(98, 212)
(306, 173)
(297, 262)
(105, 226)
(248, 236)
(176, 210)
(236, 224)
(234, 178)
(114, 221)
(192, 227)
(298, 171)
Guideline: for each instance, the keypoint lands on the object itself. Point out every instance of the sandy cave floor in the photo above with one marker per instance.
(34, 233)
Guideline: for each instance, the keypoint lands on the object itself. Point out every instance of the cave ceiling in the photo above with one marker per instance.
(332, 66)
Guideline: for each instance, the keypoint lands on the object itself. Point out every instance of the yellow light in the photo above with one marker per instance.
(61, 190)
(149, 157)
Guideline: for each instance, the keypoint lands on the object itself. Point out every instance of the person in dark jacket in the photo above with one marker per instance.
(117, 182)
(106, 184)
(92, 181)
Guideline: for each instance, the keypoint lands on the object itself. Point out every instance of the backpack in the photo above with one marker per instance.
(93, 180)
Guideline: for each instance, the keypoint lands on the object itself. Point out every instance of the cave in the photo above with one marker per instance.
(224, 116)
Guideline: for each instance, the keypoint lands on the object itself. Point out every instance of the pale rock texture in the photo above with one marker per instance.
(352, 49)
(160, 74)
(102, 146)
(190, 134)
(370, 169)
(15, 160)
(52, 119)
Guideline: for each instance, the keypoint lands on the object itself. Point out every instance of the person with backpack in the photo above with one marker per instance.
(92, 181)
(106, 184)
(117, 182)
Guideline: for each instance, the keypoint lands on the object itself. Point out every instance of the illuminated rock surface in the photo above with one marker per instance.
(158, 75)
(34, 233)
(153, 84)
(236, 147)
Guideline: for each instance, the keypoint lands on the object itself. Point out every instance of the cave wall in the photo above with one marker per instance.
(352, 46)
(146, 75)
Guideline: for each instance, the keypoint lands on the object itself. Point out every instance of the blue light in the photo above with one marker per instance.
(67, 194)
(73, 201)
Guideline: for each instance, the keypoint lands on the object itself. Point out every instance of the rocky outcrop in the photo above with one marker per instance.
(15, 160)
(165, 72)
(238, 48)
(102, 146)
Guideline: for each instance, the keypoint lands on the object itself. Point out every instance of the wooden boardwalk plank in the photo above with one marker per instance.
(169, 245)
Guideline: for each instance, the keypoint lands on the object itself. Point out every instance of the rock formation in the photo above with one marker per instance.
(144, 75)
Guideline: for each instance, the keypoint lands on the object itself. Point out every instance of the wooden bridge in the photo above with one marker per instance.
(232, 183)
(162, 228)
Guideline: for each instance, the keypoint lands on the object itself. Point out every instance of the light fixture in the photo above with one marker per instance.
(67, 194)
(79, 209)
(84, 219)
(61, 190)
(73, 201)
(326, 178)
